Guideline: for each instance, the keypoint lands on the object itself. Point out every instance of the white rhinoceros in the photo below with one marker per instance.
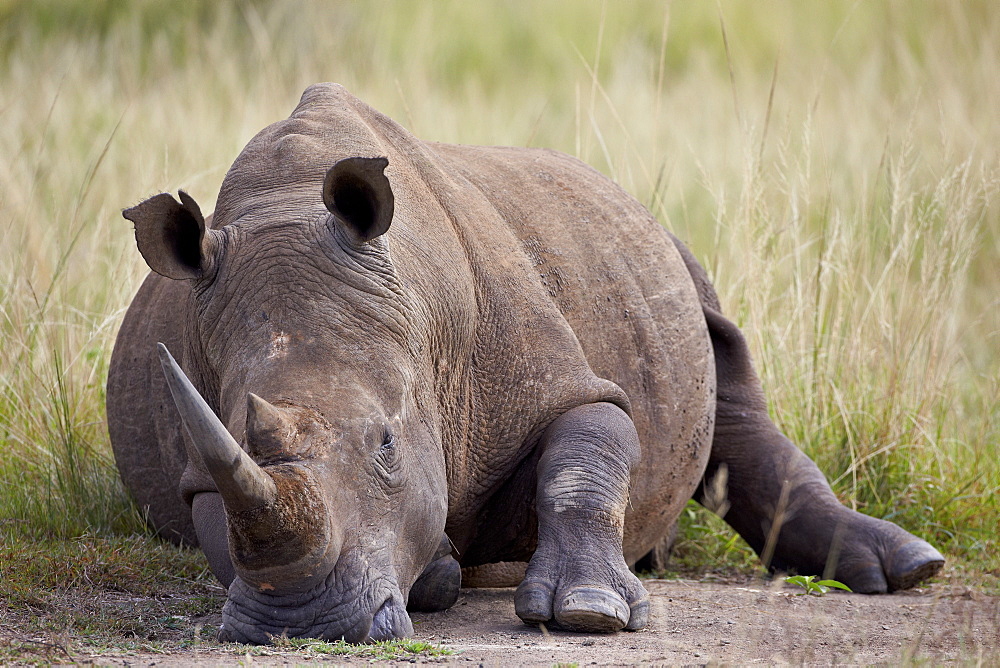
(407, 357)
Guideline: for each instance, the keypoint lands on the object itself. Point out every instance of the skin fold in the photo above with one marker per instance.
(386, 360)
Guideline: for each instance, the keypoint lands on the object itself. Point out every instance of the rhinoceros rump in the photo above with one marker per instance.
(398, 358)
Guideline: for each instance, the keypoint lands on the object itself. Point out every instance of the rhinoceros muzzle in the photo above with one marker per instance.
(341, 606)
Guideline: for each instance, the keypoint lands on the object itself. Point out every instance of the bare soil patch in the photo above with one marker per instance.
(700, 623)
(693, 623)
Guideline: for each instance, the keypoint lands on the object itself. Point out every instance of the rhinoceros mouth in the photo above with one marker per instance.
(330, 611)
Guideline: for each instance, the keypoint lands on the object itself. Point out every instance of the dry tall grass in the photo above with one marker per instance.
(834, 165)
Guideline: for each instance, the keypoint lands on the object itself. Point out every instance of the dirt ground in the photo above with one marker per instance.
(692, 623)
(700, 623)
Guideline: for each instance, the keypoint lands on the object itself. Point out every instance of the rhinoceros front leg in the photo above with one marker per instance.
(781, 503)
(577, 577)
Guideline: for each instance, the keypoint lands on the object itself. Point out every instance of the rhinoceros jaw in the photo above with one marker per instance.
(242, 484)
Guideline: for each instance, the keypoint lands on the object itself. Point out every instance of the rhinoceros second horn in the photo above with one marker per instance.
(241, 482)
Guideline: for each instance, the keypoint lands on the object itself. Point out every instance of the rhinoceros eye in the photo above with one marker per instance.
(389, 440)
(387, 461)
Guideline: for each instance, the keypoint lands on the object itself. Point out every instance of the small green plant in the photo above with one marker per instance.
(813, 586)
(386, 650)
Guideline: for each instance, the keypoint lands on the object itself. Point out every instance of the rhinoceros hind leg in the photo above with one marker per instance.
(577, 578)
(437, 587)
(781, 503)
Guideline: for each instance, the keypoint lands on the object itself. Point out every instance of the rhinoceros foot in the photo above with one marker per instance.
(437, 587)
(913, 563)
(583, 609)
(581, 603)
(881, 557)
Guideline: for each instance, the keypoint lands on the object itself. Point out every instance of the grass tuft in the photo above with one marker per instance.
(384, 650)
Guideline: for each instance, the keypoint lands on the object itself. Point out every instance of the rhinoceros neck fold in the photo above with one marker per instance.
(242, 483)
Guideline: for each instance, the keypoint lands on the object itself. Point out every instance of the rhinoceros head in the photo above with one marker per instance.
(317, 429)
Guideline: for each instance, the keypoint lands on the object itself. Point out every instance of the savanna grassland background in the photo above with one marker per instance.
(834, 165)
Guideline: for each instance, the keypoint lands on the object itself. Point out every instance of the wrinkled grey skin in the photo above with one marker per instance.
(434, 353)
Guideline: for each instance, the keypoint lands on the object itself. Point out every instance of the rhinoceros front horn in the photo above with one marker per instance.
(242, 483)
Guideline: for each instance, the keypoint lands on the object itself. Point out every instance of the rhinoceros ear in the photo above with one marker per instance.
(357, 192)
(171, 235)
